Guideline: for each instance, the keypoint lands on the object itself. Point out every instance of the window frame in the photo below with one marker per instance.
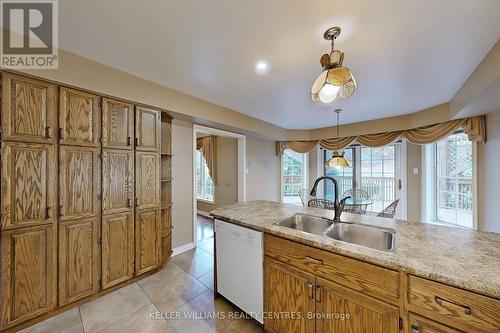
(305, 174)
(399, 174)
(435, 187)
(203, 169)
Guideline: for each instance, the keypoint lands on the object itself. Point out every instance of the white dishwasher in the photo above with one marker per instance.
(239, 254)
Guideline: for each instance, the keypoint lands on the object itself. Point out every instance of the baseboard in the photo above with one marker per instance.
(182, 249)
(202, 213)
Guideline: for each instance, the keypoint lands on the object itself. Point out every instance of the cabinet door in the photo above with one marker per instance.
(341, 310)
(79, 118)
(288, 291)
(28, 184)
(147, 240)
(28, 109)
(147, 179)
(28, 273)
(117, 249)
(147, 129)
(117, 124)
(78, 259)
(79, 186)
(118, 180)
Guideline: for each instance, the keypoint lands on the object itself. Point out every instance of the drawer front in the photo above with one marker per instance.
(355, 274)
(453, 305)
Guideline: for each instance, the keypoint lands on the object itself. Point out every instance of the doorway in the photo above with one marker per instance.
(218, 177)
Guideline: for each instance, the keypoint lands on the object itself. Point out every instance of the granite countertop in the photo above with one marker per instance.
(463, 258)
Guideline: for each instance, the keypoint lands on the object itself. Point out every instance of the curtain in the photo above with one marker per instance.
(208, 147)
(474, 127)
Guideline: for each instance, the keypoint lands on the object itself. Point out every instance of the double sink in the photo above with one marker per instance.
(377, 238)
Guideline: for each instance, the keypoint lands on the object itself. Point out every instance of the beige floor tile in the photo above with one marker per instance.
(242, 325)
(144, 320)
(205, 309)
(187, 257)
(208, 246)
(198, 265)
(169, 291)
(108, 309)
(66, 322)
(207, 279)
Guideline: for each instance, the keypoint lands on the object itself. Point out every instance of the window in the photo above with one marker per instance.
(373, 170)
(345, 177)
(378, 175)
(204, 184)
(293, 176)
(453, 180)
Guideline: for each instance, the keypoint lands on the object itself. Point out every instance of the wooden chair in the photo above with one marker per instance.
(390, 210)
(356, 194)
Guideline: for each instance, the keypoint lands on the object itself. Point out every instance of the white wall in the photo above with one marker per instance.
(489, 176)
(182, 188)
(263, 177)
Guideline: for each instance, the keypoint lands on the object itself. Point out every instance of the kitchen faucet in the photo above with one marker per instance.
(337, 206)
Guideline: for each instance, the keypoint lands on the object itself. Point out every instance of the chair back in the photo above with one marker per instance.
(304, 196)
(390, 210)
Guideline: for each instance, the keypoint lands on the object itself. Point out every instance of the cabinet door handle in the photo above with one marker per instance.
(48, 211)
(310, 287)
(317, 294)
(137, 201)
(47, 132)
(128, 141)
(415, 329)
(317, 261)
(129, 202)
(443, 302)
(61, 207)
(61, 132)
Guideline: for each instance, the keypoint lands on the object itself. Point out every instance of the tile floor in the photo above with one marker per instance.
(166, 301)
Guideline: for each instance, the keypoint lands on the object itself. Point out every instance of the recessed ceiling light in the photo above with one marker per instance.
(262, 67)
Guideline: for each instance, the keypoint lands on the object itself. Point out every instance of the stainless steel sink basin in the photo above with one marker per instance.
(369, 236)
(306, 223)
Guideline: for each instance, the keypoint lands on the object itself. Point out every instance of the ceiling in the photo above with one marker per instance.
(405, 55)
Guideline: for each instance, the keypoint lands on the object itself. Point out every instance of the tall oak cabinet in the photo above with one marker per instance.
(86, 195)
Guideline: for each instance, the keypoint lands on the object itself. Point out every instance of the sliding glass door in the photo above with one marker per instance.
(374, 170)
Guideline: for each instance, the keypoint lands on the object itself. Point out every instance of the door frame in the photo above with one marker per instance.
(241, 139)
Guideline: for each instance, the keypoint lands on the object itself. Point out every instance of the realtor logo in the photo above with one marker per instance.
(29, 36)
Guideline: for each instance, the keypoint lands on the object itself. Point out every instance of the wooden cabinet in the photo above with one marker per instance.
(117, 248)
(117, 124)
(288, 291)
(79, 182)
(341, 309)
(420, 324)
(453, 306)
(28, 109)
(79, 259)
(28, 273)
(79, 118)
(147, 129)
(118, 181)
(28, 184)
(147, 240)
(147, 179)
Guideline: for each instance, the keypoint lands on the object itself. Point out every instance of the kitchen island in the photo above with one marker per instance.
(447, 274)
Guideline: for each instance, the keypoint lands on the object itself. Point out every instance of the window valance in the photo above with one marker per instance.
(474, 127)
(208, 147)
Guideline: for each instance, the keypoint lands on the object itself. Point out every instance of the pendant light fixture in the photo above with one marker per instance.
(338, 160)
(335, 81)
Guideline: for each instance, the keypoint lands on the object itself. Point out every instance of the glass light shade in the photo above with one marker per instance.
(332, 84)
(328, 93)
(337, 161)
